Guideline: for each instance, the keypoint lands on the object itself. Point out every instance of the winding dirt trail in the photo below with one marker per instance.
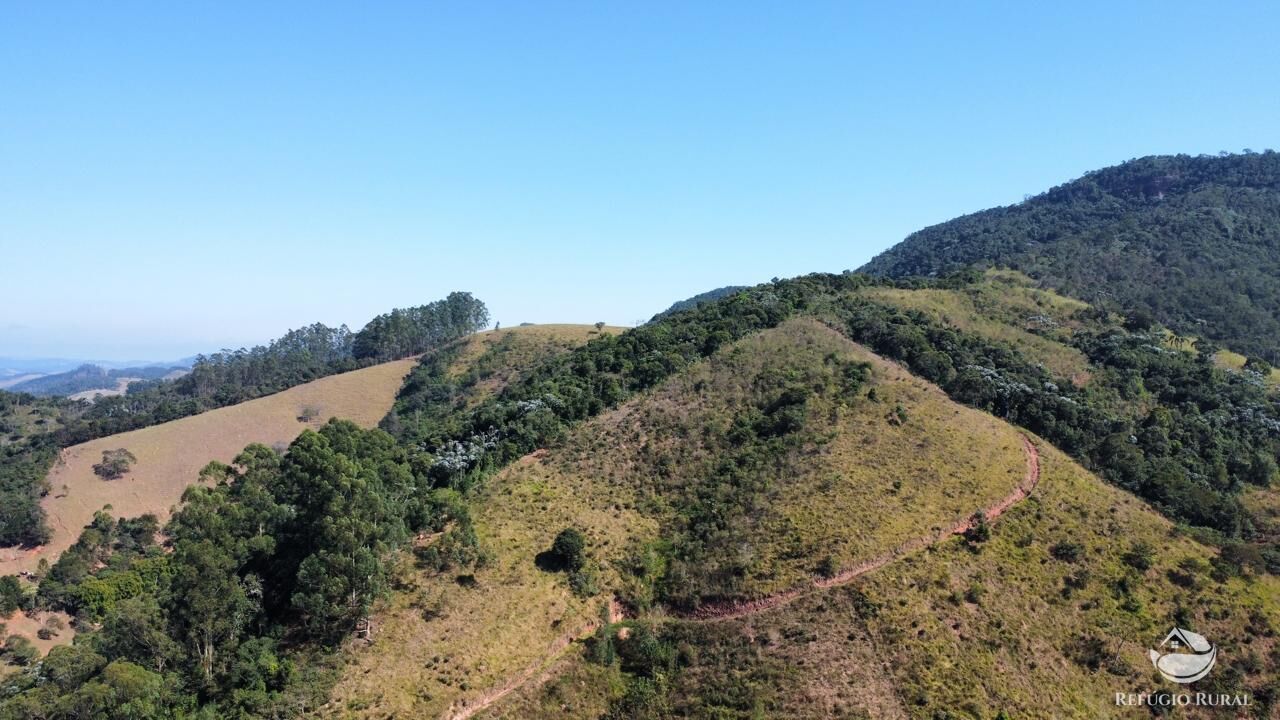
(541, 669)
(730, 611)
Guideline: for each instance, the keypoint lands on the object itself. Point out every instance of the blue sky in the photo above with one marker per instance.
(178, 177)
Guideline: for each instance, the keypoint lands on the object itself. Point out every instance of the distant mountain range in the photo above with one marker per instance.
(10, 366)
(92, 377)
(61, 376)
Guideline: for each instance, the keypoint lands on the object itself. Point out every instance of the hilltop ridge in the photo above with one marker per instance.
(1193, 242)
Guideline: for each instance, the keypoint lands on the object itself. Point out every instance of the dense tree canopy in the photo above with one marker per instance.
(272, 554)
(401, 333)
(1193, 241)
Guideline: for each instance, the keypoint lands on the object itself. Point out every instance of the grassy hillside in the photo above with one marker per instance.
(1192, 241)
(1049, 618)
(641, 483)
(1008, 309)
(169, 456)
(753, 511)
(215, 381)
(719, 465)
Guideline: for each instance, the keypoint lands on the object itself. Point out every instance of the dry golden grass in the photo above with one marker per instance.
(1025, 625)
(507, 619)
(171, 455)
(1235, 361)
(971, 634)
(28, 626)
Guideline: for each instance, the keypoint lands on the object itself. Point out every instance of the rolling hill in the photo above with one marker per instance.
(1049, 618)
(1191, 241)
(88, 378)
(813, 573)
(834, 495)
(170, 455)
(636, 476)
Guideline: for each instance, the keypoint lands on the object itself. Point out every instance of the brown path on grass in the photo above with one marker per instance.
(728, 611)
(732, 610)
(464, 709)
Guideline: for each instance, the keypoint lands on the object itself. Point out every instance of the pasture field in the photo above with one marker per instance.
(170, 455)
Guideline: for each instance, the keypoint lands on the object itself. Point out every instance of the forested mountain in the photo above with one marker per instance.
(1192, 241)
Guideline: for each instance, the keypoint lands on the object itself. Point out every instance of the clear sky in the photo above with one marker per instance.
(181, 177)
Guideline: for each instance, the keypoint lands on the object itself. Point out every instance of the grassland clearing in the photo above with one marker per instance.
(58, 628)
(1006, 309)
(122, 386)
(1235, 361)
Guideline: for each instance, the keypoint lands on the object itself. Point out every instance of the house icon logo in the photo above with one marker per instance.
(1184, 657)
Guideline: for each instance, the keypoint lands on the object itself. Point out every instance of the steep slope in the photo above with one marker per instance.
(1049, 618)
(170, 455)
(1194, 241)
(648, 486)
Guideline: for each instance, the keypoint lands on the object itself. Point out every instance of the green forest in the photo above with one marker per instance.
(277, 550)
(1193, 241)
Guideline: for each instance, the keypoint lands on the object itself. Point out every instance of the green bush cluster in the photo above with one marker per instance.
(275, 557)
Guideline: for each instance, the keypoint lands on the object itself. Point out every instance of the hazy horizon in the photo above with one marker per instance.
(161, 195)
